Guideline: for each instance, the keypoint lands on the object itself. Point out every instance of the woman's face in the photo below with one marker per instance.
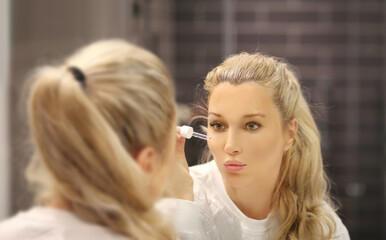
(249, 140)
(159, 164)
(165, 161)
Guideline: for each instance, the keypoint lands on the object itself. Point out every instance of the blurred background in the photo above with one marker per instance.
(337, 46)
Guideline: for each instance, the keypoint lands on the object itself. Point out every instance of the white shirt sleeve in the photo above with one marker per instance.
(341, 230)
(185, 216)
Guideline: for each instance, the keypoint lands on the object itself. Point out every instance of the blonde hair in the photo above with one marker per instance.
(302, 190)
(86, 135)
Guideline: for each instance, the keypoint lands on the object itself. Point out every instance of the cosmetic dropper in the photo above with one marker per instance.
(187, 132)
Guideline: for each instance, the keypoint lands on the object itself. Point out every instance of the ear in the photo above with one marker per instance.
(292, 130)
(146, 159)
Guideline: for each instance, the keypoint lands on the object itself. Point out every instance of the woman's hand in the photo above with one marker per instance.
(181, 183)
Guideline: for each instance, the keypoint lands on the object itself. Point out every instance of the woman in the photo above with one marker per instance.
(103, 128)
(267, 179)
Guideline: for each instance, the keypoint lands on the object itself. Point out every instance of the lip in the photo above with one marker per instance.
(234, 166)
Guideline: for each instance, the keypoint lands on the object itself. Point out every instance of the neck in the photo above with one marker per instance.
(254, 201)
(60, 203)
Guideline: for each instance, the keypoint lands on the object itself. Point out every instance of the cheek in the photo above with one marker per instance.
(168, 161)
(212, 148)
(217, 145)
(267, 148)
(171, 158)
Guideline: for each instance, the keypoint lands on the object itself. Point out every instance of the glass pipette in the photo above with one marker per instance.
(187, 132)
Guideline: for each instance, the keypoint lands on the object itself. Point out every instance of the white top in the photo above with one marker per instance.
(211, 216)
(221, 219)
(43, 223)
(185, 216)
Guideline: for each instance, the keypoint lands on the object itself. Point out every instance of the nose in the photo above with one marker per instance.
(232, 145)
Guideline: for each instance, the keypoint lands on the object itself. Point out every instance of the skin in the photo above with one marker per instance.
(180, 183)
(159, 166)
(246, 126)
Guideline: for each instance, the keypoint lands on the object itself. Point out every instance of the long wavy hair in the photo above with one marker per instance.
(87, 134)
(302, 188)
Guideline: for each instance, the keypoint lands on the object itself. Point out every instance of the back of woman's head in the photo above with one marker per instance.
(302, 186)
(89, 117)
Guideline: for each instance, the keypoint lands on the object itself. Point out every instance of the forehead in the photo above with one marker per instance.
(239, 100)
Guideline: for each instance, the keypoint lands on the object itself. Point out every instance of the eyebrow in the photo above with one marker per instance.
(245, 116)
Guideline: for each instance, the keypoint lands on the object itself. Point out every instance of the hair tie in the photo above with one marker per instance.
(78, 75)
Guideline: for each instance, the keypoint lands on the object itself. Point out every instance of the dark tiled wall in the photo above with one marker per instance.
(338, 48)
(198, 43)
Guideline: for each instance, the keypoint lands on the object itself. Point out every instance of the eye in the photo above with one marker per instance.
(251, 126)
(217, 126)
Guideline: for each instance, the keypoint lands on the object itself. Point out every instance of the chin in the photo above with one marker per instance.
(234, 180)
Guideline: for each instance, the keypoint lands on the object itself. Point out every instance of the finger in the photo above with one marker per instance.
(178, 130)
(180, 140)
